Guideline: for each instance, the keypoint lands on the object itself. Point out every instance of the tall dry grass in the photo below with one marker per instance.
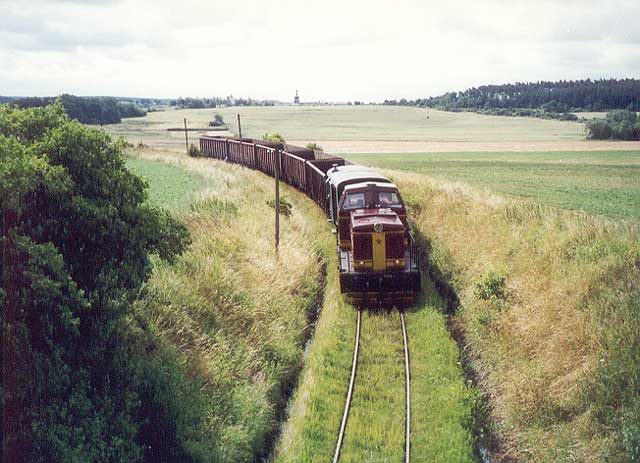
(549, 308)
(231, 315)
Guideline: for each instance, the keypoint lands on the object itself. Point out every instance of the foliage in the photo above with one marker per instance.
(88, 110)
(285, 205)
(491, 286)
(559, 97)
(273, 137)
(194, 151)
(218, 120)
(314, 146)
(77, 255)
(216, 102)
(620, 124)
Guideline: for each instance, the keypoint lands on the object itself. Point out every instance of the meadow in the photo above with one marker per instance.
(604, 183)
(370, 128)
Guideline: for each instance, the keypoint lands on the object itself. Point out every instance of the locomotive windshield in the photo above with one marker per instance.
(388, 198)
(354, 201)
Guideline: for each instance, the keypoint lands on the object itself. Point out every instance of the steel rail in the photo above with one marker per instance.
(407, 379)
(347, 404)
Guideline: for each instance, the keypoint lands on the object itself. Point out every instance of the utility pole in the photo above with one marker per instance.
(277, 175)
(239, 128)
(186, 136)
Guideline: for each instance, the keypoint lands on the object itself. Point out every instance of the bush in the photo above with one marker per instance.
(217, 121)
(193, 151)
(491, 286)
(599, 129)
(314, 146)
(285, 206)
(273, 137)
(620, 124)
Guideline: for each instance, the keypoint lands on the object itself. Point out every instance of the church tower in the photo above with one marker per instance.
(296, 99)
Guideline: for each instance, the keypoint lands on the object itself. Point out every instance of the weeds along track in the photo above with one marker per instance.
(376, 417)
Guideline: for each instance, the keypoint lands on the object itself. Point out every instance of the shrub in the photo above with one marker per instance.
(273, 137)
(314, 146)
(217, 121)
(285, 205)
(193, 151)
(491, 286)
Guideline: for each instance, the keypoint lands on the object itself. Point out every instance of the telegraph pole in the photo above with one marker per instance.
(186, 136)
(277, 175)
(239, 128)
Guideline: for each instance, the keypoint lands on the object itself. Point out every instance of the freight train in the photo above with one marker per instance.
(378, 262)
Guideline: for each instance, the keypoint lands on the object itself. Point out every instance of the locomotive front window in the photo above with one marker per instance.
(388, 198)
(354, 201)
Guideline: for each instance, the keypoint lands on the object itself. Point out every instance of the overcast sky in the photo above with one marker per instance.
(334, 50)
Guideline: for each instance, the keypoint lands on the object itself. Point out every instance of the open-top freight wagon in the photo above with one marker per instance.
(378, 261)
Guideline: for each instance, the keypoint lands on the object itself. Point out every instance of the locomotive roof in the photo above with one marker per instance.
(351, 173)
(375, 184)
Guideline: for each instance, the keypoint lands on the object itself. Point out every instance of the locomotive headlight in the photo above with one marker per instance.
(397, 261)
(377, 227)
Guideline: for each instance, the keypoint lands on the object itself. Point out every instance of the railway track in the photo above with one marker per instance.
(352, 379)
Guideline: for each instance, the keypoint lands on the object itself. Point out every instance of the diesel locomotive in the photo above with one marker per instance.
(378, 261)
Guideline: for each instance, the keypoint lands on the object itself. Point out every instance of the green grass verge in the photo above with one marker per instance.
(442, 404)
(600, 183)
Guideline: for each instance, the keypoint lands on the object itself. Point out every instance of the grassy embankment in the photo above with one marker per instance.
(224, 328)
(600, 183)
(549, 307)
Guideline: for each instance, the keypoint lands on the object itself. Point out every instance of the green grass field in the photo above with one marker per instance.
(605, 183)
(169, 186)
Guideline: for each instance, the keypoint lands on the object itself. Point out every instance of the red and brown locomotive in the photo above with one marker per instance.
(377, 258)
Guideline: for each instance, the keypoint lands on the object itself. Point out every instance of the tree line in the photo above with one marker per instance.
(560, 97)
(77, 236)
(88, 110)
(216, 102)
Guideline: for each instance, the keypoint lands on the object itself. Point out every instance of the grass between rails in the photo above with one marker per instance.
(600, 183)
(442, 404)
(376, 425)
(549, 306)
(224, 328)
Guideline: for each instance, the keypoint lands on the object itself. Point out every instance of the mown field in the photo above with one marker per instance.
(371, 128)
(605, 183)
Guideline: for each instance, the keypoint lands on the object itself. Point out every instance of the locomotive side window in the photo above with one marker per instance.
(388, 198)
(354, 201)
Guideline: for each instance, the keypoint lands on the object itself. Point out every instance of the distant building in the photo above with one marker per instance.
(296, 99)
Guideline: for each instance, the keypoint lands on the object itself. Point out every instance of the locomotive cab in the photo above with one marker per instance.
(372, 196)
(378, 262)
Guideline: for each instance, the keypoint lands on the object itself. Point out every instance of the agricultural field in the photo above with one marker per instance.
(370, 129)
(604, 183)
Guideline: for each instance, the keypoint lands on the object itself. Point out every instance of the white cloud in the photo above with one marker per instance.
(330, 50)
